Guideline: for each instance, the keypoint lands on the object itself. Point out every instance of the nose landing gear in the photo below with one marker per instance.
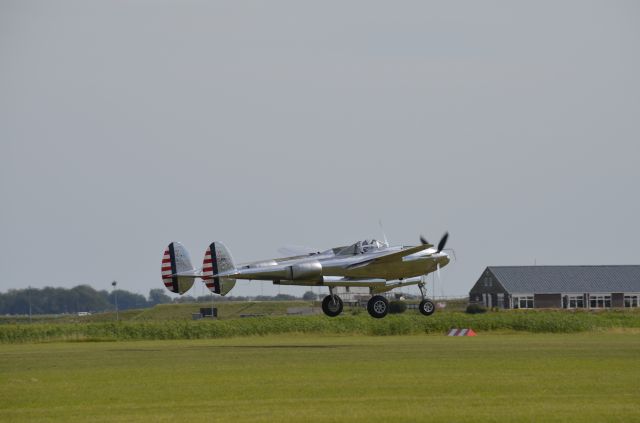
(426, 306)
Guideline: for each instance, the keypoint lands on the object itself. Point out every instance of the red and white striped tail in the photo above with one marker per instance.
(171, 283)
(461, 332)
(208, 271)
(177, 272)
(217, 259)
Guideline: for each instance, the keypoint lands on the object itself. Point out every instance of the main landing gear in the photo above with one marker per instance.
(378, 306)
(332, 304)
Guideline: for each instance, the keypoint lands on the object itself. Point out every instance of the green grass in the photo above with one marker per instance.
(410, 323)
(226, 310)
(586, 377)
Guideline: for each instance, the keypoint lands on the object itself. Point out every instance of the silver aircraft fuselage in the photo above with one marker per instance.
(370, 264)
(366, 263)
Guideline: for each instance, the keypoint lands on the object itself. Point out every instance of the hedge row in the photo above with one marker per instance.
(548, 321)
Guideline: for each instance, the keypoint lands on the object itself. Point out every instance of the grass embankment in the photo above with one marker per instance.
(361, 324)
(489, 378)
(226, 310)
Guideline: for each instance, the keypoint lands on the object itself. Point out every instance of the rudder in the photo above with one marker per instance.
(174, 261)
(217, 259)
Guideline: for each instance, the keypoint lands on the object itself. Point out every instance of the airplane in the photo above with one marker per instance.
(369, 263)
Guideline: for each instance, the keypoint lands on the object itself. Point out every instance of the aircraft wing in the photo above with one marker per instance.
(389, 256)
(276, 271)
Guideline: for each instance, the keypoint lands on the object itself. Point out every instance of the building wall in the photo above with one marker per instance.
(547, 300)
(617, 299)
(352, 294)
(489, 292)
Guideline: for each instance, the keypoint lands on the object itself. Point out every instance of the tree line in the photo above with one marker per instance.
(84, 298)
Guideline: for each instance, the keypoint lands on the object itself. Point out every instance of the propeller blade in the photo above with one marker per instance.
(443, 241)
(384, 235)
(440, 282)
(423, 240)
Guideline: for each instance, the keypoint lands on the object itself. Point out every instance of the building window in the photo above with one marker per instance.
(631, 300)
(523, 302)
(487, 282)
(576, 301)
(600, 301)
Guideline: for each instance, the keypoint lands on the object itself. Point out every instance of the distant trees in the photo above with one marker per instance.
(184, 299)
(87, 299)
(84, 298)
(309, 296)
(53, 300)
(127, 300)
(279, 297)
(158, 296)
(81, 298)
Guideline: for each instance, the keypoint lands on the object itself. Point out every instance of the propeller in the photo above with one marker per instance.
(443, 241)
(441, 244)
(384, 235)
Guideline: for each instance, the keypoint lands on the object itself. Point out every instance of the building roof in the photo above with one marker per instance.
(555, 279)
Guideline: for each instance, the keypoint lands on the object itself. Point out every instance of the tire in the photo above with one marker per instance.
(331, 308)
(378, 306)
(427, 307)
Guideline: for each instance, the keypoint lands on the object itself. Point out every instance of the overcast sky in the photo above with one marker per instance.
(125, 125)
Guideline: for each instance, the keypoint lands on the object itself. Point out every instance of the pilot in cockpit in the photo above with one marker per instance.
(368, 245)
(361, 247)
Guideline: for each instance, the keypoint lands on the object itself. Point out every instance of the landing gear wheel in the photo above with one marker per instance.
(426, 307)
(332, 305)
(378, 306)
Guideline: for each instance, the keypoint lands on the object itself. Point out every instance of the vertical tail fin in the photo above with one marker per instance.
(176, 260)
(217, 259)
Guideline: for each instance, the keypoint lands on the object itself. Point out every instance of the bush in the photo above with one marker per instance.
(356, 310)
(396, 307)
(407, 324)
(475, 309)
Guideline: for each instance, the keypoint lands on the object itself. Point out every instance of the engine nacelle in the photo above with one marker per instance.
(310, 271)
(266, 263)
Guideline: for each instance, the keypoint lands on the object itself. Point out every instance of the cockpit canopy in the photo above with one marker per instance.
(361, 247)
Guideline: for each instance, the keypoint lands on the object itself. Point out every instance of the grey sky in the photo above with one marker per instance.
(126, 125)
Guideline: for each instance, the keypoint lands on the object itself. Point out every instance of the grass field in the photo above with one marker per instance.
(226, 310)
(158, 326)
(163, 312)
(586, 377)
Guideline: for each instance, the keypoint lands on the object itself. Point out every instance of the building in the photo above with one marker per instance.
(557, 287)
(353, 294)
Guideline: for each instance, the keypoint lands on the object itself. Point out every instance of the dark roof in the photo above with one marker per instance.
(554, 279)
